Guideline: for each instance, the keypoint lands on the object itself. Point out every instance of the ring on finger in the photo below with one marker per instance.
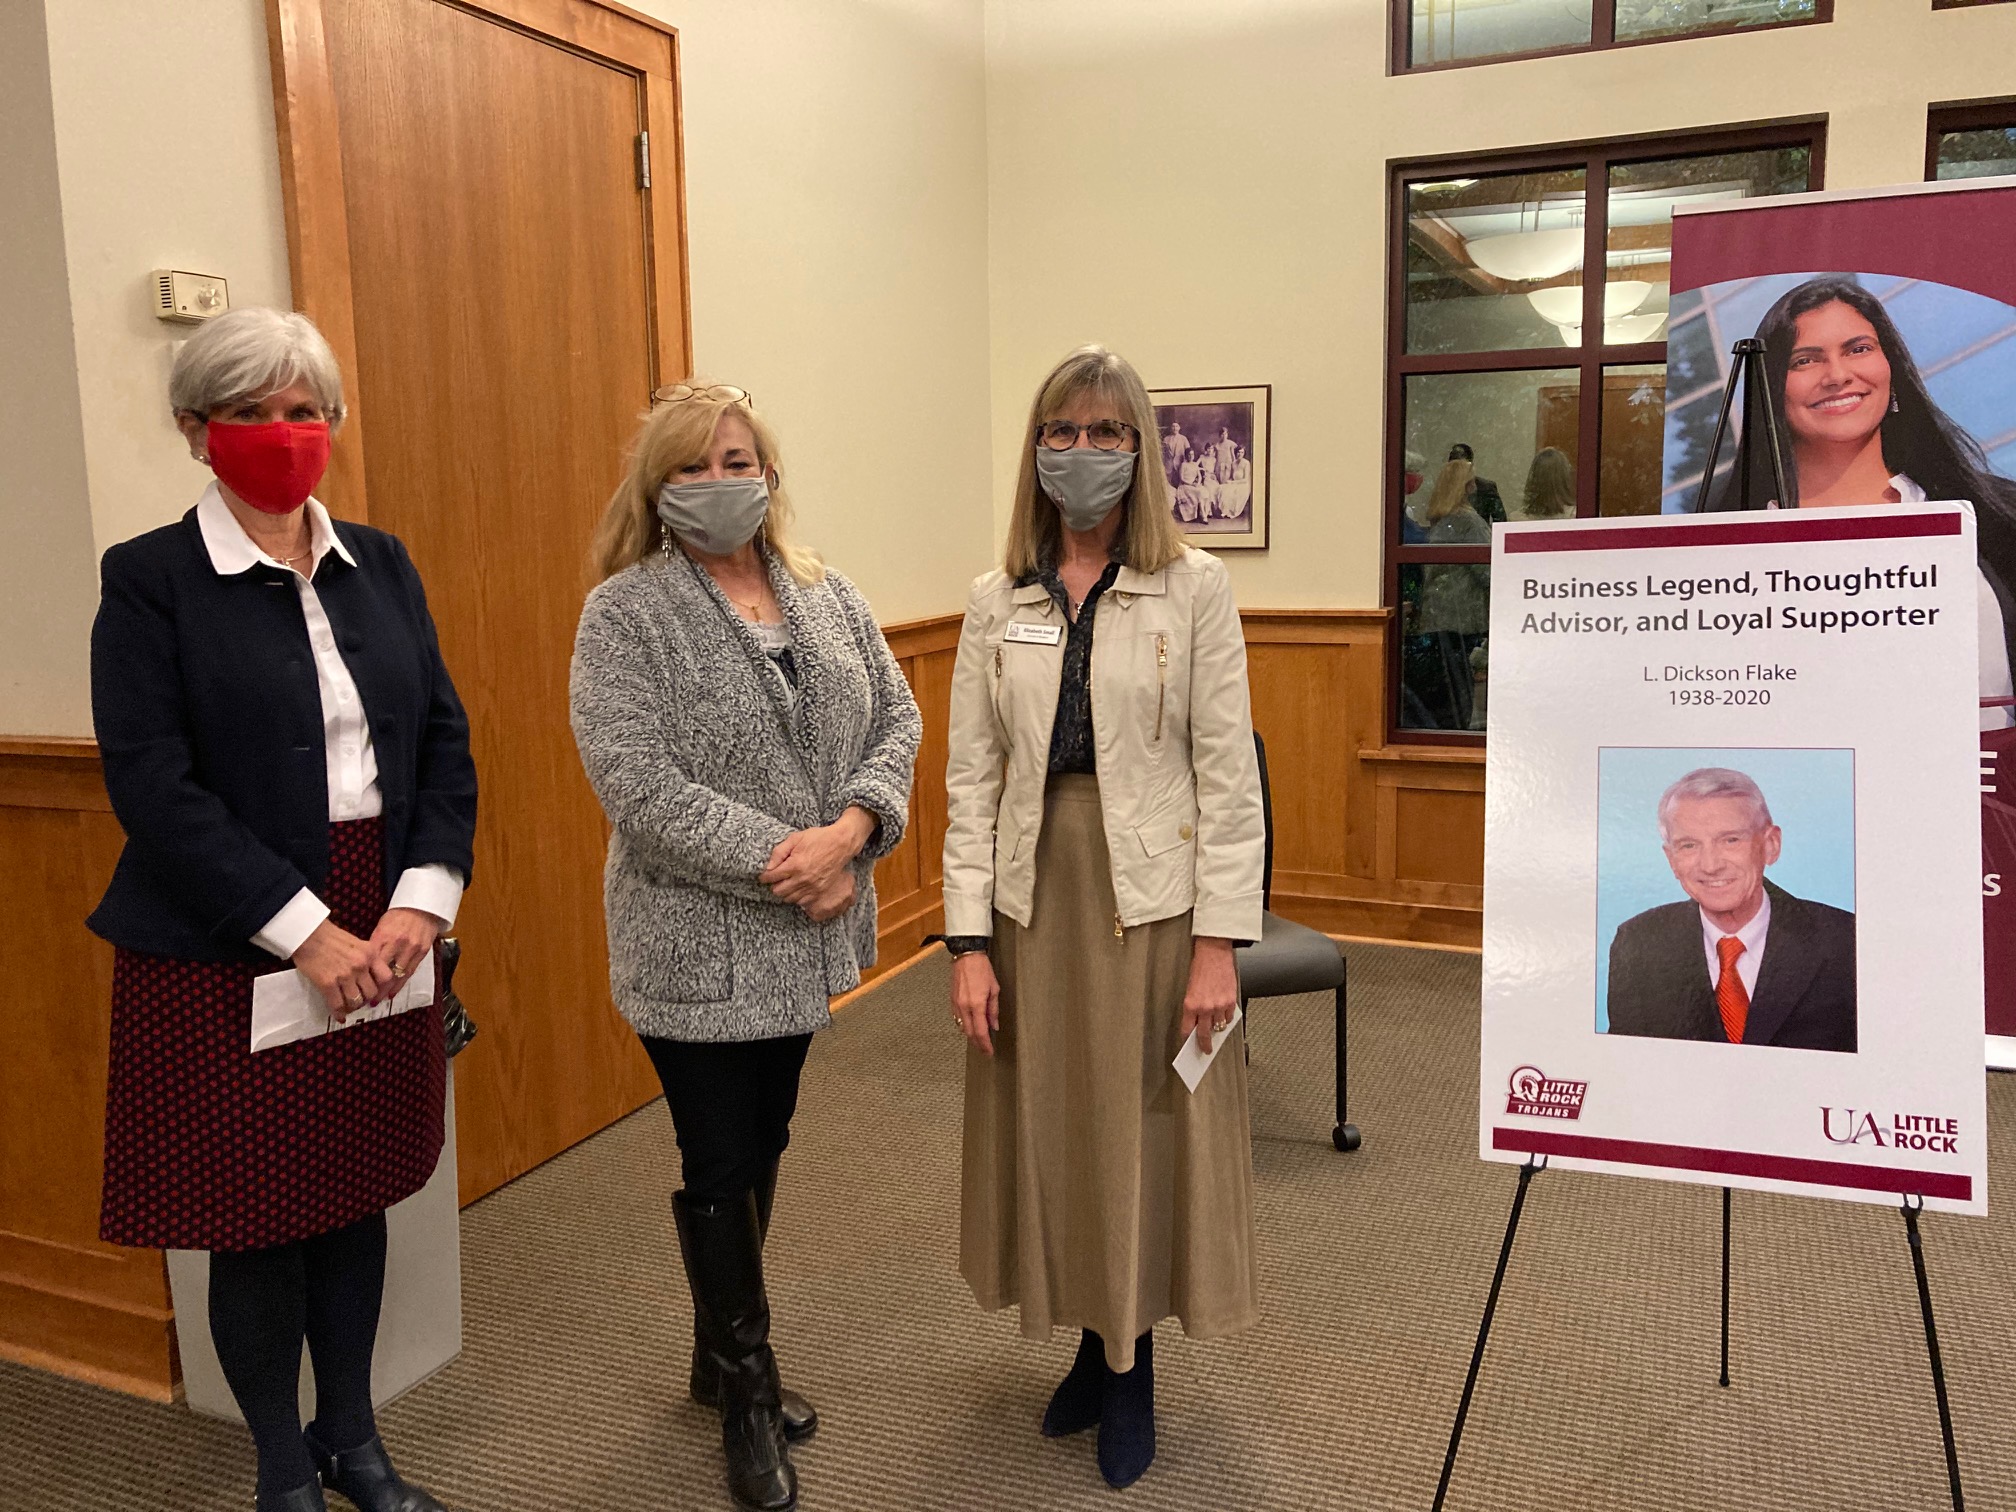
(397, 969)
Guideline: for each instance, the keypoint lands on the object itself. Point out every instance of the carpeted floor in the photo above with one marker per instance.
(1598, 1395)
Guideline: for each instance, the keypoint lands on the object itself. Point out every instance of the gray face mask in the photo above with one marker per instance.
(1084, 483)
(716, 516)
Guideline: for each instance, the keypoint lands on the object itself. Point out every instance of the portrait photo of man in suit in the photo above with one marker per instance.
(1742, 961)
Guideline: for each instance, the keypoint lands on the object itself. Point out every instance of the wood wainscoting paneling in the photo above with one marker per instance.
(1385, 842)
(101, 1313)
(1376, 840)
(909, 883)
(68, 1303)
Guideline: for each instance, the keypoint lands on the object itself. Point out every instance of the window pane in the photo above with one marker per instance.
(1634, 437)
(1638, 253)
(1673, 18)
(1985, 153)
(1448, 30)
(1508, 422)
(1445, 612)
(1494, 263)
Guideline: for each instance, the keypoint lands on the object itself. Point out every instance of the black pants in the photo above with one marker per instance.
(263, 1304)
(731, 1106)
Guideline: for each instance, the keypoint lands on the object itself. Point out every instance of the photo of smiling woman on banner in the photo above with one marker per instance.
(1860, 426)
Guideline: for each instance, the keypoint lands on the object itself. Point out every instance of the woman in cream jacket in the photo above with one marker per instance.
(1103, 857)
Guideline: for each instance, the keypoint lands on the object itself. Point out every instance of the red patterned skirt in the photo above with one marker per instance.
(208, 1146)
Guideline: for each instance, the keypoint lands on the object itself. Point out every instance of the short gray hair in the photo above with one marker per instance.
(252, 352)
(1713, 782)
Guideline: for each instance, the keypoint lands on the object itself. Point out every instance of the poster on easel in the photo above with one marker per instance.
(1888, 318)
(1732, 922)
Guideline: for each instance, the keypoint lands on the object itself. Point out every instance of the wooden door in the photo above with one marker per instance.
(511, 292)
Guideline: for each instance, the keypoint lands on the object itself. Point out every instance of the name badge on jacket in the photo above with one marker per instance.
(1024, 634)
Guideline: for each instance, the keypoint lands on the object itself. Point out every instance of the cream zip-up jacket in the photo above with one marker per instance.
(1179, 785)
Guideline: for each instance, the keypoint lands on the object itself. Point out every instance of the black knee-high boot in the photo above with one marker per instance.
(1127, 1419)
(722, 1247)
(801, 1421)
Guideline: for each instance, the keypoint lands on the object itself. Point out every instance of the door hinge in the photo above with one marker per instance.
(643, 160)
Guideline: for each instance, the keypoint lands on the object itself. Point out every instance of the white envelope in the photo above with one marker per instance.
(1191, 1063)
(286, 1006)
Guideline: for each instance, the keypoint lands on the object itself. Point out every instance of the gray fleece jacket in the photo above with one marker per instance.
(703, 763)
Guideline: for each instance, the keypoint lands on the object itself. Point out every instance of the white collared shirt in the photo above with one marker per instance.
(1752, 936)
(1995, 678)
(352, 764)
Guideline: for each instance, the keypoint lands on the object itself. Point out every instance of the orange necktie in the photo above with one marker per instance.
(1729, 994)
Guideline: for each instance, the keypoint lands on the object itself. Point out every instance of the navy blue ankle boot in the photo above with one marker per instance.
(1074, 1406)
(1127, 1419)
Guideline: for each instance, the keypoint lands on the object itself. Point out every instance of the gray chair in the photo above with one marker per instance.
(1291, 958)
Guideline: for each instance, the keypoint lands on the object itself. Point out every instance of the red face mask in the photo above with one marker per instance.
(271, 467)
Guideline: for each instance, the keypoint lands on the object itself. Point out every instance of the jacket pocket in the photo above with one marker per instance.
(1171, 826)
(1007, 843)
(668, 941)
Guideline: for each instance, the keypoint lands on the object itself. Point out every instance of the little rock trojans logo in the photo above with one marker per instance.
(1536, 1095)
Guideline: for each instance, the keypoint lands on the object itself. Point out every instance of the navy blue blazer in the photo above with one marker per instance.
(209, 721)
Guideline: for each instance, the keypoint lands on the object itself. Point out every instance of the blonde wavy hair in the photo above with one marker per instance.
(673, 434)
(1149, 539)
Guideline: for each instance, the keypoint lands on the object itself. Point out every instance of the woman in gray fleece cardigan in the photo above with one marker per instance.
(751, 739)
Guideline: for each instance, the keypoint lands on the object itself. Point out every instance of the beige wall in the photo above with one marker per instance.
(1203, 187)
(836, 159)
(902, 211)
(166, 143)
(47, 576)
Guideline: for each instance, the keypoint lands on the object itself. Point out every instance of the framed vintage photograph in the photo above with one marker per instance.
(1214, 446)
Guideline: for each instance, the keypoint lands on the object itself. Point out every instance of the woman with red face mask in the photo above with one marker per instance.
(286, 754)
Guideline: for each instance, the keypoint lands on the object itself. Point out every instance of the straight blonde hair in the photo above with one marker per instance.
(673, 434)
(1452, 489)
(1149, 539)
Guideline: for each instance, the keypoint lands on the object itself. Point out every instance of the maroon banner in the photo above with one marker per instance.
(1890, 356)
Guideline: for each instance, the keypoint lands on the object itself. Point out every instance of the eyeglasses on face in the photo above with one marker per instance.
(720, 393)
(1107, 435)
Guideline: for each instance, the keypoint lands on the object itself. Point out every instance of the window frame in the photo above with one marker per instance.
(1602, 35)
(1595, 157)
(1963, 115)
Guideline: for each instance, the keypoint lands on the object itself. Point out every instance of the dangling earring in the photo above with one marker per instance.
(1893, 405)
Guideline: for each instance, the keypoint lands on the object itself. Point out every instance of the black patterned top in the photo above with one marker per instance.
(1071, 748)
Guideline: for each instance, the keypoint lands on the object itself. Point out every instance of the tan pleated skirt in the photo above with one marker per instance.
(1098, 1192)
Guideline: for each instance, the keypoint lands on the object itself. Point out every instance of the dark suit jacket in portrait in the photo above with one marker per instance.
(1805, 993)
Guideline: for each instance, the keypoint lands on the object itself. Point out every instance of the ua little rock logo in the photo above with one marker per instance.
(1536, 1095)
(1901, 1131)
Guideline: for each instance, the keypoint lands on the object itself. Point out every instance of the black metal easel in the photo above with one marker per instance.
(1759, 414)
(1760, 417)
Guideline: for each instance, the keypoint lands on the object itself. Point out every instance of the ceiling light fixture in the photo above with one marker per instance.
(1563, 305)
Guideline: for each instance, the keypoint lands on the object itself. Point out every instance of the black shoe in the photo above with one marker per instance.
(1074, 1405)
(1127, 1419)
(306, 1498)
(801, 1420)
(723, 1250)
(366, 1476)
